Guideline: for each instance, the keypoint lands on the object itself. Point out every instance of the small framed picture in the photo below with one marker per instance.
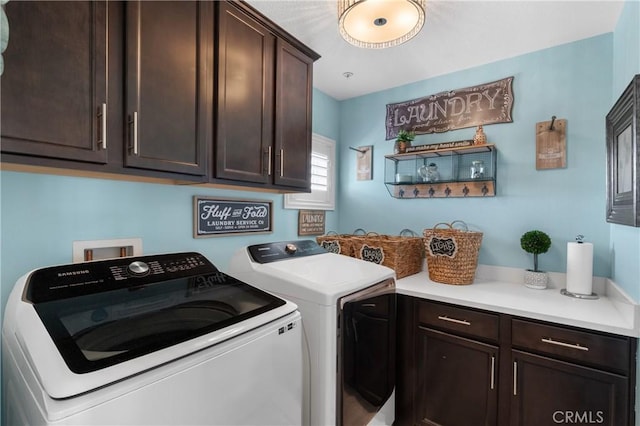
(623, 136)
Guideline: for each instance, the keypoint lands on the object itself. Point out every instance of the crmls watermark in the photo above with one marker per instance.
(578, 417)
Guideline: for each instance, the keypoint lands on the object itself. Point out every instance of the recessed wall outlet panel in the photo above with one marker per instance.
(84, 251)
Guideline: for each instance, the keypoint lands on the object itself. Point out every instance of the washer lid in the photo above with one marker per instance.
(100, 314)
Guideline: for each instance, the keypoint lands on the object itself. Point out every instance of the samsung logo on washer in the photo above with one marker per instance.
(72, 273)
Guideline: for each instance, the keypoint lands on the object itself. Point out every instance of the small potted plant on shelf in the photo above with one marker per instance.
(403, 140)
(535, 242)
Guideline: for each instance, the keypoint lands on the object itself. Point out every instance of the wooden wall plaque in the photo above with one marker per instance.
(311, 222)
(551, 144)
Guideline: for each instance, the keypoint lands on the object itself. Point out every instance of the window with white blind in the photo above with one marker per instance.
(322, 195)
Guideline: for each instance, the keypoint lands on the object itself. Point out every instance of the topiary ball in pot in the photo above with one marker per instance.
(535, 242)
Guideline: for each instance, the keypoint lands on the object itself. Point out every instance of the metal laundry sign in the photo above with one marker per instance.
(215, 217)
(487, 103)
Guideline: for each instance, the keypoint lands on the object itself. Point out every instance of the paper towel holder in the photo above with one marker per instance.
(591, 296)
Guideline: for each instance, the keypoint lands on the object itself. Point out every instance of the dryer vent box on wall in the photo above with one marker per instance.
(84, 251)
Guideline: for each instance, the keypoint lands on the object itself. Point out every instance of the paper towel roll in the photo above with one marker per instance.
(580, 268)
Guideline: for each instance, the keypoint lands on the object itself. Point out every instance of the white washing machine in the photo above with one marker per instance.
(348, 321)
(164, 339)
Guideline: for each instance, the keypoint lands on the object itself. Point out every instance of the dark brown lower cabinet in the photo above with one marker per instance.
(547, 392)
(457, 380)
(461, 366)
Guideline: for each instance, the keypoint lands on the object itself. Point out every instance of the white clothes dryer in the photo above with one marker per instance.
(348, 314)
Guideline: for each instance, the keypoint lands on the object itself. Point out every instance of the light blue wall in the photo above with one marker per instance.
(626, 47)
(326, 116)
(625, 240)
(571, 81)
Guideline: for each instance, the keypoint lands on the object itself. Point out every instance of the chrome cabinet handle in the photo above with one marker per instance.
(269, 162)
(457, 321)
(102, 114)
(134, 130)
(281, 162)
(515, 378)
(563, 344)
(493, 371)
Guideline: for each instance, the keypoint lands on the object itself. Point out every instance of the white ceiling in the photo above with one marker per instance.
(457, 35)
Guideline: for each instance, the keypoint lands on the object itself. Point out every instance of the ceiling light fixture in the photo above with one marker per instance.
(377, 24)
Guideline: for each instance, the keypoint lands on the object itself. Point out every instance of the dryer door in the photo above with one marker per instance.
(366, 353)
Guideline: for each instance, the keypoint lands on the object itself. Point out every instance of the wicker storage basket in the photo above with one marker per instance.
(452, 254)
(339, 243)
(404, 254)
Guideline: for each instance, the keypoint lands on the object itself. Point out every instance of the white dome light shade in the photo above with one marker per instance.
(377, 24)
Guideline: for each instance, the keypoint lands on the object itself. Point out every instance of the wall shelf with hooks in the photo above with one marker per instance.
(443, 173)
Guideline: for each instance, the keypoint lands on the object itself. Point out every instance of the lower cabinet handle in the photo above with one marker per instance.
(281, 162)
(515, 378)
(103, 123)
(457, 321)
(565, 345)
(493, 371)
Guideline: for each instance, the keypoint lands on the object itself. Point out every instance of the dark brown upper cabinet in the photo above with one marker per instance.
(169, 61)
(244, 136)
(199, 91)
(264, 94)
(294, 77)
(54, 86)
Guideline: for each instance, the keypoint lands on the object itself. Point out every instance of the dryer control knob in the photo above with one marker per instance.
(138, 268)
(291, 248)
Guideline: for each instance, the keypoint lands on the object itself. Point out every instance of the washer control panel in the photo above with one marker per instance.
(273, 252)
(166, 264)
(63, 281)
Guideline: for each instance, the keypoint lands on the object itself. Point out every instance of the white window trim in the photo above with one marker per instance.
(318, 200)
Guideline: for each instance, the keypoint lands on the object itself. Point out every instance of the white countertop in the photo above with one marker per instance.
(612, 312)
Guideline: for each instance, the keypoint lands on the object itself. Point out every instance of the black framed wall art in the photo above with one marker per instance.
(623, 161)
(214, 217)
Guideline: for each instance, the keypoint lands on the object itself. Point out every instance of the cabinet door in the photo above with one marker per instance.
(457, 380)
(55, 79)
(294, 77)
(169, 61)
(244, 133)
(547, 392)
